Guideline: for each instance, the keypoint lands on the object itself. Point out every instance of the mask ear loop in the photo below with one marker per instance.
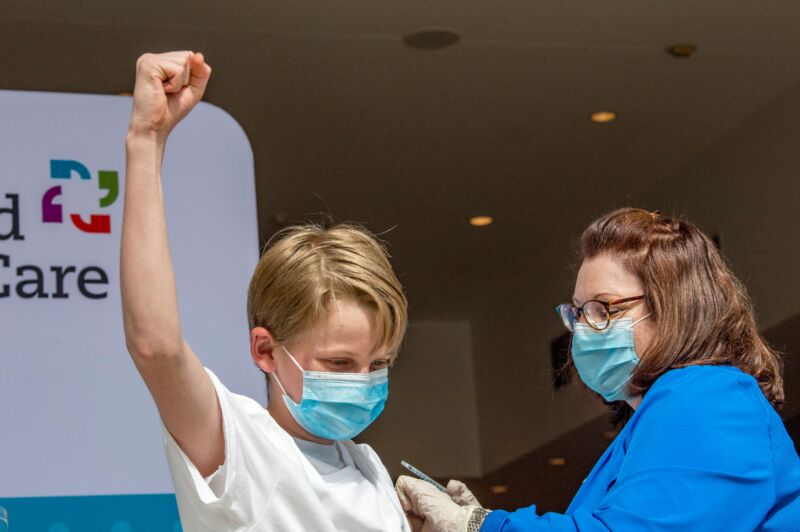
(296, 363)
(275, 374)
(634, 323)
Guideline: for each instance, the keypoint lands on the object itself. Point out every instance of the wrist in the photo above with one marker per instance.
(141, 138)
(476, 518)
(144, 142)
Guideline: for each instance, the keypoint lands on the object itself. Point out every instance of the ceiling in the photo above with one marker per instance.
(344, 119)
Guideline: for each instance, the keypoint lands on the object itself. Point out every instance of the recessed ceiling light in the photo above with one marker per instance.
(602, 117)
(480, 221)
(557, 461)
(432, 38)
(499, 489)
(682, 51)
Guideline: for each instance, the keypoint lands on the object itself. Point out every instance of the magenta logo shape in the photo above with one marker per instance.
(52, 212)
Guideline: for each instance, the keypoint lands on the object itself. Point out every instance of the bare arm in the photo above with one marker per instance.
(167, 87)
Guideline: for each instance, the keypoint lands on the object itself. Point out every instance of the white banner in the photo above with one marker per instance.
(76, 418)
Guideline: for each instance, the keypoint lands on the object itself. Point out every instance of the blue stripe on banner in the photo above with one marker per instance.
(97, 513)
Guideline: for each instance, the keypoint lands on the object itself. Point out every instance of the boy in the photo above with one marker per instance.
(327, 315)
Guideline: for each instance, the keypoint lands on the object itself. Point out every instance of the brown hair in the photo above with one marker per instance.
(306, 268)
(700, 309)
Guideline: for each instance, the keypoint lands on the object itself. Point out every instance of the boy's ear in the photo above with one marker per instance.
(262, 346)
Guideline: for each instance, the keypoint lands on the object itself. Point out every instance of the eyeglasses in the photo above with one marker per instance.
(597, 313)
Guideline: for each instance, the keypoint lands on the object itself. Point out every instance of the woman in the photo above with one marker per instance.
(660, 323)
(327, 315)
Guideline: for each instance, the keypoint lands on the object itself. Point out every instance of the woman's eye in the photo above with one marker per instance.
(339, 363)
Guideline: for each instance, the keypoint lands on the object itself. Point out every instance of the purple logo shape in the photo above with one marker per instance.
(52, 212)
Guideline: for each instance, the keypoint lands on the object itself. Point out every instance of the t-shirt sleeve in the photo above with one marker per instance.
(698, 458)
(388, 500)
(377, 463)
(234, 496)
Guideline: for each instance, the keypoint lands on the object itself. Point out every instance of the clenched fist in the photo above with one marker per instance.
(167, 87)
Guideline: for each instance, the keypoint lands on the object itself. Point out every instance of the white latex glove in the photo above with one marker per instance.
(437, 511)
(460, 494)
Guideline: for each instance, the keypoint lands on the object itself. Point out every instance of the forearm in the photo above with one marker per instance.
(527, 520)
(149, 298)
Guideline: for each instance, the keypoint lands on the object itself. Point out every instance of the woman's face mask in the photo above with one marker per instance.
(606, 359)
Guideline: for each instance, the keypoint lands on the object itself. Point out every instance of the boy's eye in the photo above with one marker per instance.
(337, 363)
(380, 364)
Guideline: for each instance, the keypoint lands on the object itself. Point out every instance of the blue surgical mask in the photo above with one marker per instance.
(605, 359)
(338, 406)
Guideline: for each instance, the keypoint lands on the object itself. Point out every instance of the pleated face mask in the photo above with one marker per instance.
(605, 359)
(338, 406)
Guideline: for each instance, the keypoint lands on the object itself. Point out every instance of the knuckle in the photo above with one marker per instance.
(143, 59)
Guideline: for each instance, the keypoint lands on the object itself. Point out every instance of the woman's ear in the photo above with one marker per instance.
(262, 346)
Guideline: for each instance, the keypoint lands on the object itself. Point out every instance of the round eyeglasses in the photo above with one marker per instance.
(597, 313)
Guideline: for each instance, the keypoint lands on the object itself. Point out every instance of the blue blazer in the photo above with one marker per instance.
(704, 451)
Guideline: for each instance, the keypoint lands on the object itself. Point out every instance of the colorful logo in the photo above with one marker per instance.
(108, 180)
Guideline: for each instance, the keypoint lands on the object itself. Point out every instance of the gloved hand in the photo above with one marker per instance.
(460, 494)
(438, 512)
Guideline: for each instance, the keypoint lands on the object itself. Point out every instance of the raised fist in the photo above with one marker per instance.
(167, 87)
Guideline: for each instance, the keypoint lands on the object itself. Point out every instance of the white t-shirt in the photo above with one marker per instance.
(273, 482)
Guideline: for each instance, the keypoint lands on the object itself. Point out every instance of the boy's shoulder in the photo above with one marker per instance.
(365, 457)
(247, 417)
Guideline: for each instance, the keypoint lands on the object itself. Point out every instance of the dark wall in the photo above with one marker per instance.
(785, 337)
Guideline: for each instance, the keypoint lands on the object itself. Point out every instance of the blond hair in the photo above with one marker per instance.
(305, 268)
